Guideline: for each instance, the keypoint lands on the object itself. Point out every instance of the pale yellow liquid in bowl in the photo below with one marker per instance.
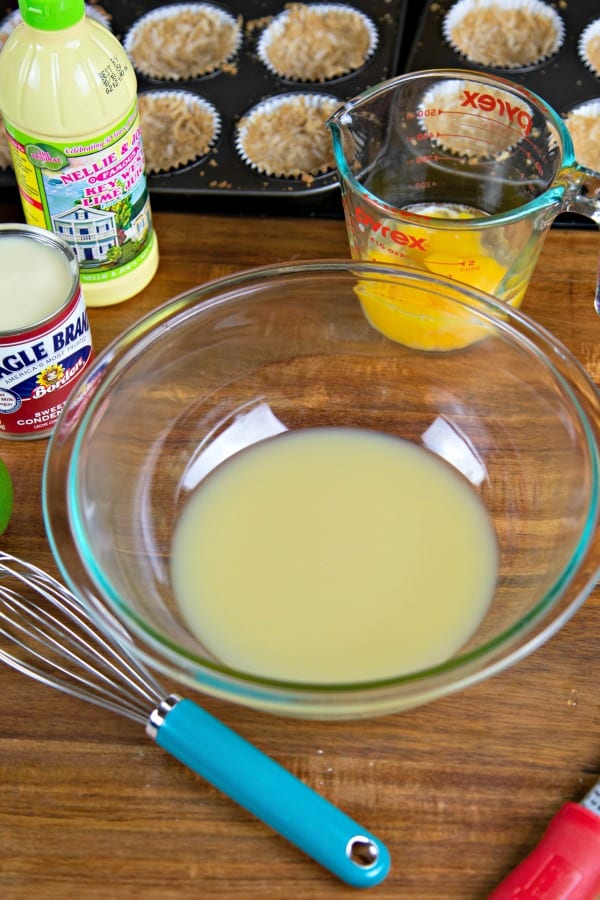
(334, 555)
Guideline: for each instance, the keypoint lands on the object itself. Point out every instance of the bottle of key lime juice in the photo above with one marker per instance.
(68, 96)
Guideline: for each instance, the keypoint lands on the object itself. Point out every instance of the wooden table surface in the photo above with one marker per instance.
(459, 790)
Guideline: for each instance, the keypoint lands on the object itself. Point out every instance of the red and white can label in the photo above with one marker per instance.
(40, 366)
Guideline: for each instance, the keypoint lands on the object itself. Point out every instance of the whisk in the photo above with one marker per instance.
(53, 640)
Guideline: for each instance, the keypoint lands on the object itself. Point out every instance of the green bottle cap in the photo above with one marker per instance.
(51, 15)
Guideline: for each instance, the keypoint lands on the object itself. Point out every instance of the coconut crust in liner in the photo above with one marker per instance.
(310, 43)
(176, 130)
(182, 42)
(504, 35)
(584, 128)
(289, 138)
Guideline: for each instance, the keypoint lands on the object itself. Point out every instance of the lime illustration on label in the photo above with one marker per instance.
(92, 194)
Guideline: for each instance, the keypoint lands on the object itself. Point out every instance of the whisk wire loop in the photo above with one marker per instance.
(59, 632)
(65, 679)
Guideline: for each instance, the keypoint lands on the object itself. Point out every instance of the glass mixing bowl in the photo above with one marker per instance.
(286, 347)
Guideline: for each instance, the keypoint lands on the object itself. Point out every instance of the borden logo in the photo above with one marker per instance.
(402, 238)
(499, 104)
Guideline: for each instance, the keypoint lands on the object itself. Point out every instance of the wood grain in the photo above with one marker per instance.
(459, 790)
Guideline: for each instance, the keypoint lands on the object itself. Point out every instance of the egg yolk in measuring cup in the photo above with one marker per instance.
(416, 318)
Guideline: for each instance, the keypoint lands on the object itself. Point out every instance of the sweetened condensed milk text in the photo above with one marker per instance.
(45, 340)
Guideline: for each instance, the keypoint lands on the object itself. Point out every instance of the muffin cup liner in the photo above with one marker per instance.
(8, 25)
(589, 110)
(5, 157)
(99, 14)
(171, 13)
(590, 32)
(191, 101)
(275, 32)
(268, 107)
(460, 9)
(469, 146)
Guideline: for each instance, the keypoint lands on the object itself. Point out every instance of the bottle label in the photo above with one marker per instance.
(93, 194)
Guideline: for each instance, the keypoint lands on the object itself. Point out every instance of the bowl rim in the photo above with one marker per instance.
(114, 617)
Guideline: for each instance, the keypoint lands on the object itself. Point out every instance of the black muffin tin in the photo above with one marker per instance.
(563, 80)
(222, 180)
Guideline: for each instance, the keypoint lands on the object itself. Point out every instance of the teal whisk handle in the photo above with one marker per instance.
(270, 792)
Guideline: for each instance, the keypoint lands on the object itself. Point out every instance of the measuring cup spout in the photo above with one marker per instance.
(351, 138)
(337, 127)
(362, 132)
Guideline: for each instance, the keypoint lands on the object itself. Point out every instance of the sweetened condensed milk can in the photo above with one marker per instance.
(45, 338)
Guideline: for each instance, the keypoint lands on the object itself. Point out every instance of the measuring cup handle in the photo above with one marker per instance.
(583, 197)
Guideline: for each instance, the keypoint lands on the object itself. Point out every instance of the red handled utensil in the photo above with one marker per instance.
(565, 865)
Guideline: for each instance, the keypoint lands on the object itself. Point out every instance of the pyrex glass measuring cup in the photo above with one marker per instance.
(458, 173)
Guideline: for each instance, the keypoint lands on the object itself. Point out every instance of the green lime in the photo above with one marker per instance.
(6, 497)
